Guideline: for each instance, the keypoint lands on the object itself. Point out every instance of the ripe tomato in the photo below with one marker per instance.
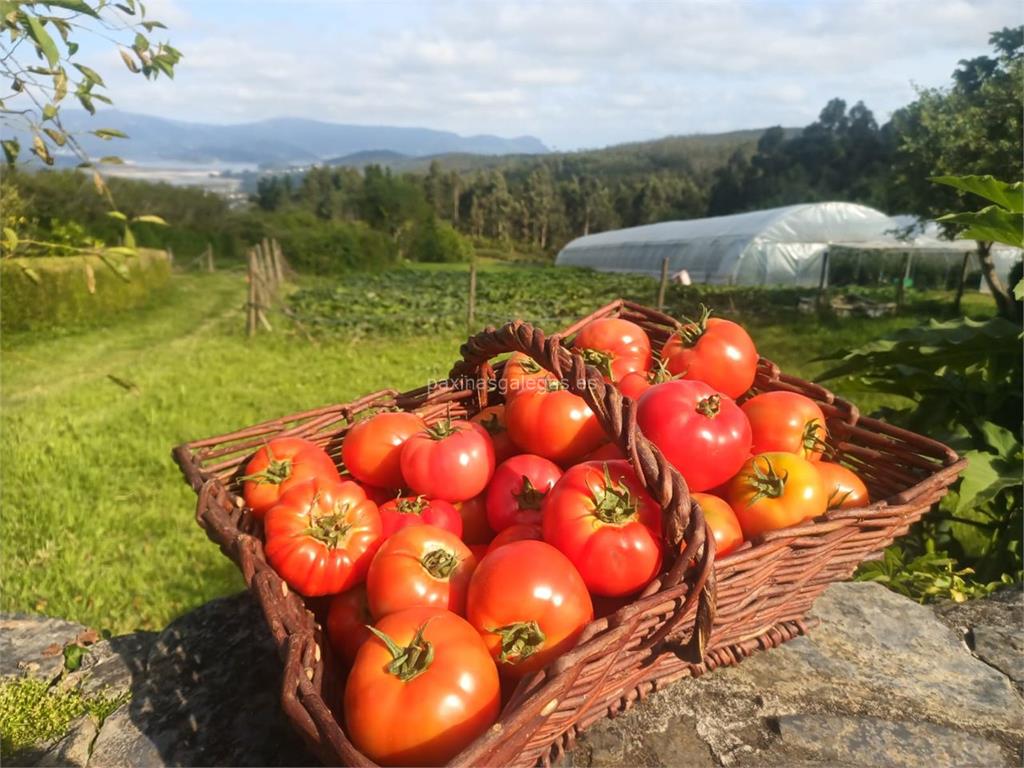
(722, 520)
(614, 346)
(373, 447)
(450, 460)
(475, 528)
(522, 374)
(417, 510)
(703, 434)
(636, 383)
(607, 452)
(529, 603)
(517, 490)
(842, 486)
(775, 490)
(321, 537)
(377, 495)
(786, 421)
(718, 352)
(553, 423)
(421, 689)
(601, 518)
(492, 418)
(421, 565)
(524, 532)
(347, 618)
(279, 466)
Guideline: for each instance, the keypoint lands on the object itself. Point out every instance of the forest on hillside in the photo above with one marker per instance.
(333, 218)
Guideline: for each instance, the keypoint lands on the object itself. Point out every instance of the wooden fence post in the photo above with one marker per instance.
(471, 310)
(901, 286)
(823, 280)
(209, 258)
(170, 256)
(275, 249)
(250, 315)
(664, 284)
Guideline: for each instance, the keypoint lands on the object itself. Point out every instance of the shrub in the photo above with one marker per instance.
(434, 240)
(330, 247)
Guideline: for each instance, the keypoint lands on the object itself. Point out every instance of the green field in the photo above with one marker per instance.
(97, 522)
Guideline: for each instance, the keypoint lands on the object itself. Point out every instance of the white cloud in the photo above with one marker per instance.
(575, 74)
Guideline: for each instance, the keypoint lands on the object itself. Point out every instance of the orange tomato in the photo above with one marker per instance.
(722, 521)
(842, 487)
(775, 490)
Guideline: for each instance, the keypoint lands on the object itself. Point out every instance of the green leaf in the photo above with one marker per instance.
(128, 60)
(57, 137)
(1009, 196)
(49, 112)
(109, 133)
(72, 48)
(151, 219)
(31, 274)
(10, 239)
(985, 476)
(91, 74)
(78, 6)
(151, 25)
(42, 39)
(1018, 290)
(111, 160)
(141, 43)
(12, 148)
(86, 101)
(117, 215)
(120, 250)
(1002, 440)
(991, 223)
(40, 150)
(73, 655)
(129, 238)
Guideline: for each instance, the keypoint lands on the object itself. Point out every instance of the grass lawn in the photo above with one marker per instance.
(97, 522)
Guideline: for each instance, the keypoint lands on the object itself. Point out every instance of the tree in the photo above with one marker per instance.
(972, 127)
(40, 86)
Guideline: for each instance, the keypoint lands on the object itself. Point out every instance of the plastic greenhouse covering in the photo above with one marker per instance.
(777, 246)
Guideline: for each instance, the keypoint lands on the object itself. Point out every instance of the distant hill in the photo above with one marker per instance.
(278, 142)
(698, 154)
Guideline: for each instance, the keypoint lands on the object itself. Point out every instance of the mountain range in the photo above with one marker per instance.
(276, 142)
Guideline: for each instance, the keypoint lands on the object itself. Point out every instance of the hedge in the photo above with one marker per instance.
(64, 294)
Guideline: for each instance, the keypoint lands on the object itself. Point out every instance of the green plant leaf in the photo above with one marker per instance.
(78, 6)
(117, 215)
(10, 239)
(120, 250)
(1018, 290)
(985, 476)
(150, 219)
(57, 137)
(31, 274)
(73, 655)
(11, 147)
(42, 39)
(91, 74)
(990, 223)
(1009, 196)
(109, 133)
(49, 112)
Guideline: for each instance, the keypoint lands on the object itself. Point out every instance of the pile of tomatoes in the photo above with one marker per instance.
(460, 556)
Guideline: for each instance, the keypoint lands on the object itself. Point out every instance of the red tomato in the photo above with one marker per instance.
(373, 447)
(417, 510)
(842, 487)
(279, 466)
(702, 433)
(636, 383)
(421, 565)
(614, 346)
(421, 690)
(526, 532)
(517, 490)
(450, 460)
(492, 418)
(522, 374)
(786, 421)
(775, 490)
(602, 519)
(377, 495)
(718, 352)
(553, 423)
(722, 520)
(347, 618)
(475, 528)
(529, 603)
(321, 537)
(607, 452)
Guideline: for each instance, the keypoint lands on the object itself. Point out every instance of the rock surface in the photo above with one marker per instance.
(34, 644)
(881, 680)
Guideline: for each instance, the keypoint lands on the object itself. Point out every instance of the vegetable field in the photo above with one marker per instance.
(97, 524)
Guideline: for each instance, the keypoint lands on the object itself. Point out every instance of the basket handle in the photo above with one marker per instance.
(683, 525)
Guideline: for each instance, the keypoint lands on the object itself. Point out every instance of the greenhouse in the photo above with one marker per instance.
(777, 246)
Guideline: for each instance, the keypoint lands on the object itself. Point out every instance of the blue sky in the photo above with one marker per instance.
(574, 74)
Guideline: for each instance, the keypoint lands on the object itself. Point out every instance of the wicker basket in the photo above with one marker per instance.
(697, 615)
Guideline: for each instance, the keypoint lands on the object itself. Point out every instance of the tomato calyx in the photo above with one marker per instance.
(710, 406)
(441, 429)
(492, 424)
(439, 563)
(600, 360)
(660, 373)
(769, 484)
(837, 499)
(519, 641)
(406, 506)
(411, 661)
(613, 503)
(330, 529)
(810, 439)
(690, 333)
(275, 473)
(529, 365)
(530, 497)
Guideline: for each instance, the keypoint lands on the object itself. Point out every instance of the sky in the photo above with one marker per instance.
(574, 74)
